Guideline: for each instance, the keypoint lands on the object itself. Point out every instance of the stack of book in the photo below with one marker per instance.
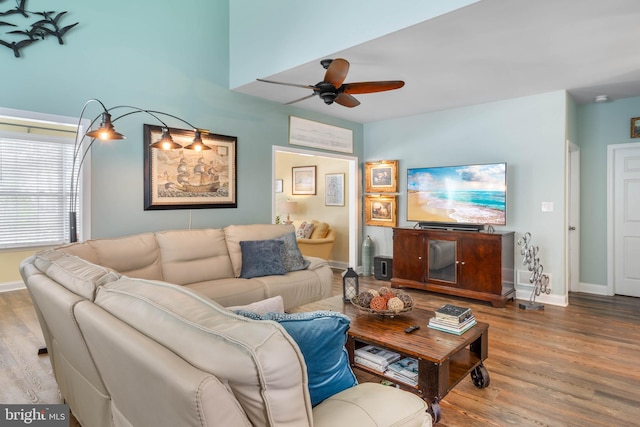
(453, 319)
(404, 370)
(375, 358)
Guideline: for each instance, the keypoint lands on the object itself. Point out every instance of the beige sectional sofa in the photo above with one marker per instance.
(130, 351)
(208, 261)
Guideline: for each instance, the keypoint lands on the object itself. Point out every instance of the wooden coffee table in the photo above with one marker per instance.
(443, 359)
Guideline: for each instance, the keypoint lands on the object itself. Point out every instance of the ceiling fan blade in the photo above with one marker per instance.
(337, 72)
(288, 84)
(347, 100)
(371, 87)
(301, 99)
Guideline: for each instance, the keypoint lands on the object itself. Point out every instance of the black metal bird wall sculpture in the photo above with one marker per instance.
(17, 39)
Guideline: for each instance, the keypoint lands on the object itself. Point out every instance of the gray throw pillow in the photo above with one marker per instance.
(291, 256)
(262, 258)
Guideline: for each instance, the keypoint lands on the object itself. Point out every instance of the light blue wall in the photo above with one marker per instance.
(268, 37)
(173, 58)
(600, 125)
(528, 133)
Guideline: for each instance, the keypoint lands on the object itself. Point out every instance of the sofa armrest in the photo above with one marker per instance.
(329, 238)
(320, 248)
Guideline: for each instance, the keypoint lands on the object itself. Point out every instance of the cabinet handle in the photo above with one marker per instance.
(419, 257)
(462, 262)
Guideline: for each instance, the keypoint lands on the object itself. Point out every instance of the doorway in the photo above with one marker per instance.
(623, 228)
(346, 246)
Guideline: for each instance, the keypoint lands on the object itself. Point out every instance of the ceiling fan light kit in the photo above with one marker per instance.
(333, 89)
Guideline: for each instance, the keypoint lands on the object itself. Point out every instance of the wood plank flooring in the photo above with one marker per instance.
(573, 366)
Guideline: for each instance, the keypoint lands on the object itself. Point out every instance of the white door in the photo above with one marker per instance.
(626, 217)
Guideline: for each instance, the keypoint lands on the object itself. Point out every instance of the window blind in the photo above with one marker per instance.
(35, 176)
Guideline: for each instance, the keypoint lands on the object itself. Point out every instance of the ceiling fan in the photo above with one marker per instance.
(332, 89)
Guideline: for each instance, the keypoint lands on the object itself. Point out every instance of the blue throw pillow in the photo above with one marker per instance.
(321, 336)
(262, 258)
(291, 256)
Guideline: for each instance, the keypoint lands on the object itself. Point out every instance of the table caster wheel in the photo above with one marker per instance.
(434, 411)
(480, 376)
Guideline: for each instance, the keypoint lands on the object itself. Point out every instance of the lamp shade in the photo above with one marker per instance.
(289, 207)
(166, 142)
(197, 143)
(106, 131)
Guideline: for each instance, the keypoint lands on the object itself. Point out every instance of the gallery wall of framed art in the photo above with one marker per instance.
(381, 177)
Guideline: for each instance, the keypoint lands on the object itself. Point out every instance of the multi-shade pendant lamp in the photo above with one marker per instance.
(106, 132)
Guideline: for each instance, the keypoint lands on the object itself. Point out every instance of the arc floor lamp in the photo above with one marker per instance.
(106, 132)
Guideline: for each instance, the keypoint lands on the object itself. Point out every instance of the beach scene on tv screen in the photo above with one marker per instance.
(473, 194)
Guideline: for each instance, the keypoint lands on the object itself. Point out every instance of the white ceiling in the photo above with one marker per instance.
(488, 51)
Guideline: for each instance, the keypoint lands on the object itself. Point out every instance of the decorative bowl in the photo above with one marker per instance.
(390, 313)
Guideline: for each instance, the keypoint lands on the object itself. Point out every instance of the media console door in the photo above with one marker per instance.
(463, 263)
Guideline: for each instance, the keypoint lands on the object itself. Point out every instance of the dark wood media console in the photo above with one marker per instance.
(469, 264)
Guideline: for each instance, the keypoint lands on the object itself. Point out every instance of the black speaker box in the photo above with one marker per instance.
(383, 267)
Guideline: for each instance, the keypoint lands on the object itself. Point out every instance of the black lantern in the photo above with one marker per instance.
(350, 286)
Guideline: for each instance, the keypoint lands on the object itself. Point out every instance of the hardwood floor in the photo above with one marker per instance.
(563, 366)
(573, 366)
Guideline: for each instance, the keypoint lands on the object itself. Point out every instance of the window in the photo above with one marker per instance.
(36, 158)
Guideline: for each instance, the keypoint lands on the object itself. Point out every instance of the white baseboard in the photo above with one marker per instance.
(559, 300)
(11, 286)
(591, 288)
(338, 265)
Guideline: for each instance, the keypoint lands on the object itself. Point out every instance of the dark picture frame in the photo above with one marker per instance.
(381, 211)
(381, 176)
(303, 180)
(635, 127)
(190, 179)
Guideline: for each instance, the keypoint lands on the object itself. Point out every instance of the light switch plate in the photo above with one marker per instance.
(547, 206)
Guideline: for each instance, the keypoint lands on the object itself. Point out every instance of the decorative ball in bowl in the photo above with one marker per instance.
(384, 302)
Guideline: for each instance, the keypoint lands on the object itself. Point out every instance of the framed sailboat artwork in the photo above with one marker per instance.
(182, 178)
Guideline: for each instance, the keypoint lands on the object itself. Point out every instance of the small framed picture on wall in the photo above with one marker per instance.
(381, 176)
(304, 180)
(334, 189)
(381, 210)
(635, 127)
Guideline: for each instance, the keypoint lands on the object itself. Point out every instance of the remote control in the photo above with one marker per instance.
(412, 328)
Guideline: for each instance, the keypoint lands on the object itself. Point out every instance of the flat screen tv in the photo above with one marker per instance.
(458, 195)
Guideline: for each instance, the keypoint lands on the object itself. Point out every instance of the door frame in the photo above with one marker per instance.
(572, 262)
(353, 193)
(611, 170)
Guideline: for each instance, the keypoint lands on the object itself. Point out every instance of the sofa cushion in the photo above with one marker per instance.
(262, 258)
(304, 230)
(297, 287)
(320, 230)
(372, 405)
(133, 256)
(321, 336)
(291, 256)
(77, 275)
(193, 256)
(232, 290)
(234, 234)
